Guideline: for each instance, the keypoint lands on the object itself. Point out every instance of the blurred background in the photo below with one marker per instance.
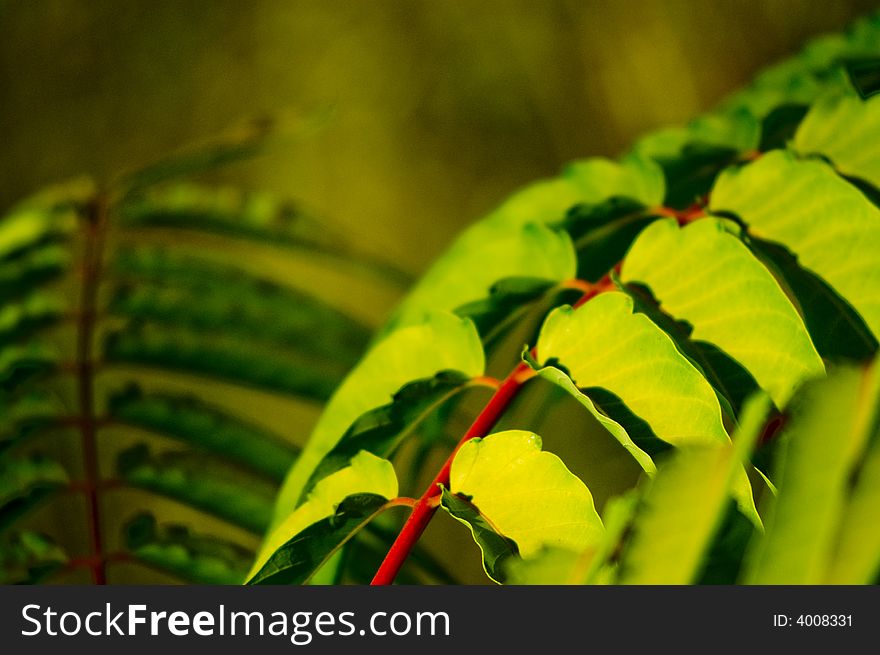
(432, 113)
(440, 108)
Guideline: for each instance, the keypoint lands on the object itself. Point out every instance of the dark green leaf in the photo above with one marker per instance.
(21, 364)
(865, 76)
(497, 549)
(602, 233)
(226, 211)
(200, 559)
(28, 557)
(225, 356)
(34, 267)
(691, 174)
(380, 431)
(193, 421)
(298, 559)
(22, 417)
(836, 329)
(187, 291)
(506, 301)
(30, 315)
(780, 125)
(26, 482)
(201, 482)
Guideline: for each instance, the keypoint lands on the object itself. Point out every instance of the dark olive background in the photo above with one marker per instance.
(441, 107)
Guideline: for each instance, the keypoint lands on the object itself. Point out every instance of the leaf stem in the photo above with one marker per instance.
(96, 221)
(424, 509)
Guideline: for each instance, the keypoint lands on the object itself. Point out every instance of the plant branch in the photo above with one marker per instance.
(96, 222)
(427, 505)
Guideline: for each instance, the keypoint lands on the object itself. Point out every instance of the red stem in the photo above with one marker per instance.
(424, 509)
(94, 238)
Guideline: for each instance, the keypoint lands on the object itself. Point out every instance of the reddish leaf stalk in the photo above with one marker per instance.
(427, 505)
(94, 241)
(424, 509)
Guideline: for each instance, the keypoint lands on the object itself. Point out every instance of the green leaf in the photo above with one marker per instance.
(736, 130)
(26, 415)
(524, 494)
(201, 482)
(31, 269)
(200, 559)
(23, 230)
(835, 327)
(692, 156)
(440, 342)
(307, 552)
(730, 380)
(227, 211)
(844, 128)
(831, 422)
(27, 557)
(562, 380)
(824, 221)
(231, 357)
(604, 344)
(602, 233)
(189, 291)
(486, 253)
(607, 349)
(381, 431)
(714, 283)
(28, 316)
(22, 363)
(594, 565)
(685, 505)
(365, 474)
(195, 422)
(497, 549)
(598, 179)
(779, 126)
(856, 558)
(25, 482)
(865, 77)
(507, 301)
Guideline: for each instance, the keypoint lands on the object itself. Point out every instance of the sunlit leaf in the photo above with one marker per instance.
(593, 565)
(441, 342)
(844, 128)
(380, 431)
(365, 474)
(523, 494)
(832, 229)
(729, 299)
